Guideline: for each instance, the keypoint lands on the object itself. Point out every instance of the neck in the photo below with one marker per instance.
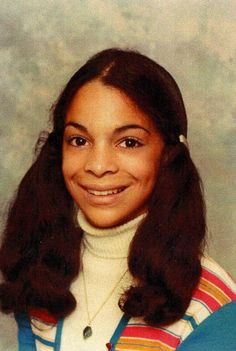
(109, 242)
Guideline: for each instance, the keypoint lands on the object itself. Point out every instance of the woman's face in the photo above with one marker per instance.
(111, 154)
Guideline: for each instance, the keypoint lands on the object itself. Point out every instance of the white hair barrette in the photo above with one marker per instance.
(183, 140)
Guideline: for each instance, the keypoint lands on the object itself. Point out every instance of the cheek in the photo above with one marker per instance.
(65, 167)
(145, 169)
(68, 167)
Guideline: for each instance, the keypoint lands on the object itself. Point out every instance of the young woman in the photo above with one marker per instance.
(103, 247)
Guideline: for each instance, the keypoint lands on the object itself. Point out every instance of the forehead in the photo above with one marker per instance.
(96, 104)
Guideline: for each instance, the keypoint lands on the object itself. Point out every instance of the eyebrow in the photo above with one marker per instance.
(117, 130)
(76, 125)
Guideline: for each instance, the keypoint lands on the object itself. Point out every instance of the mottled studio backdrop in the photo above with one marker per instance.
(44, 42)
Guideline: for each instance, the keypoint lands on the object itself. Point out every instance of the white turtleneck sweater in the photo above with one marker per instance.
(104, 263)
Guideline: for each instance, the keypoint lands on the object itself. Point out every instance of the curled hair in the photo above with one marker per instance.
(39, 254)
(165, 253)
(41, 246)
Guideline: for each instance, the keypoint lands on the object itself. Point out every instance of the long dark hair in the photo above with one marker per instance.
(39, 256)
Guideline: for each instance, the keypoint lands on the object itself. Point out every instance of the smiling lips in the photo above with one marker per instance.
(104, 192)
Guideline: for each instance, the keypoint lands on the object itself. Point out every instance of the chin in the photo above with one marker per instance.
(104, 222)
(107, 219)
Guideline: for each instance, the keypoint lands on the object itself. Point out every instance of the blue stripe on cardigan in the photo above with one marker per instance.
(26, 337)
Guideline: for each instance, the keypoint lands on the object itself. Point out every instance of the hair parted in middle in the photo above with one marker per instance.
(40, 250)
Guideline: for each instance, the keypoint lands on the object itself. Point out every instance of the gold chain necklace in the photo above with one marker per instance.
(87, 331)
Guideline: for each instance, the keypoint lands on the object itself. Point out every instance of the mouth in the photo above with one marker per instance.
(105, 192)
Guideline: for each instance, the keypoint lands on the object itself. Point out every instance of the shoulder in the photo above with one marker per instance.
(214, 273)
(211, 313)
(215, 289)
(212, 303)
(217, 332)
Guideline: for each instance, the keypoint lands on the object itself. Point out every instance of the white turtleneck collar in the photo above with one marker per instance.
(108, 242)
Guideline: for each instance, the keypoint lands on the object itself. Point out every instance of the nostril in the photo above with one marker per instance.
(100, 166)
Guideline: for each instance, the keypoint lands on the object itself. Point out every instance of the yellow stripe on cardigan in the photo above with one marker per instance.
(214, 291)
(138, 344)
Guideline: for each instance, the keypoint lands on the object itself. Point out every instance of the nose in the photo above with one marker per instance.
(101, 160)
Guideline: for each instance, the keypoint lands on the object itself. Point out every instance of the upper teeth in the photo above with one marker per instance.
(105, 192)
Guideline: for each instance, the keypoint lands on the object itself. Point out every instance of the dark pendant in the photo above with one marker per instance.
(87, 332)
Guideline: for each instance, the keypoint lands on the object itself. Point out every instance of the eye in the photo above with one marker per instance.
(77, 141)
(130, 143)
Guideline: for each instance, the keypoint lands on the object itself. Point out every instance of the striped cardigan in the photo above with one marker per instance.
(208, 324)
